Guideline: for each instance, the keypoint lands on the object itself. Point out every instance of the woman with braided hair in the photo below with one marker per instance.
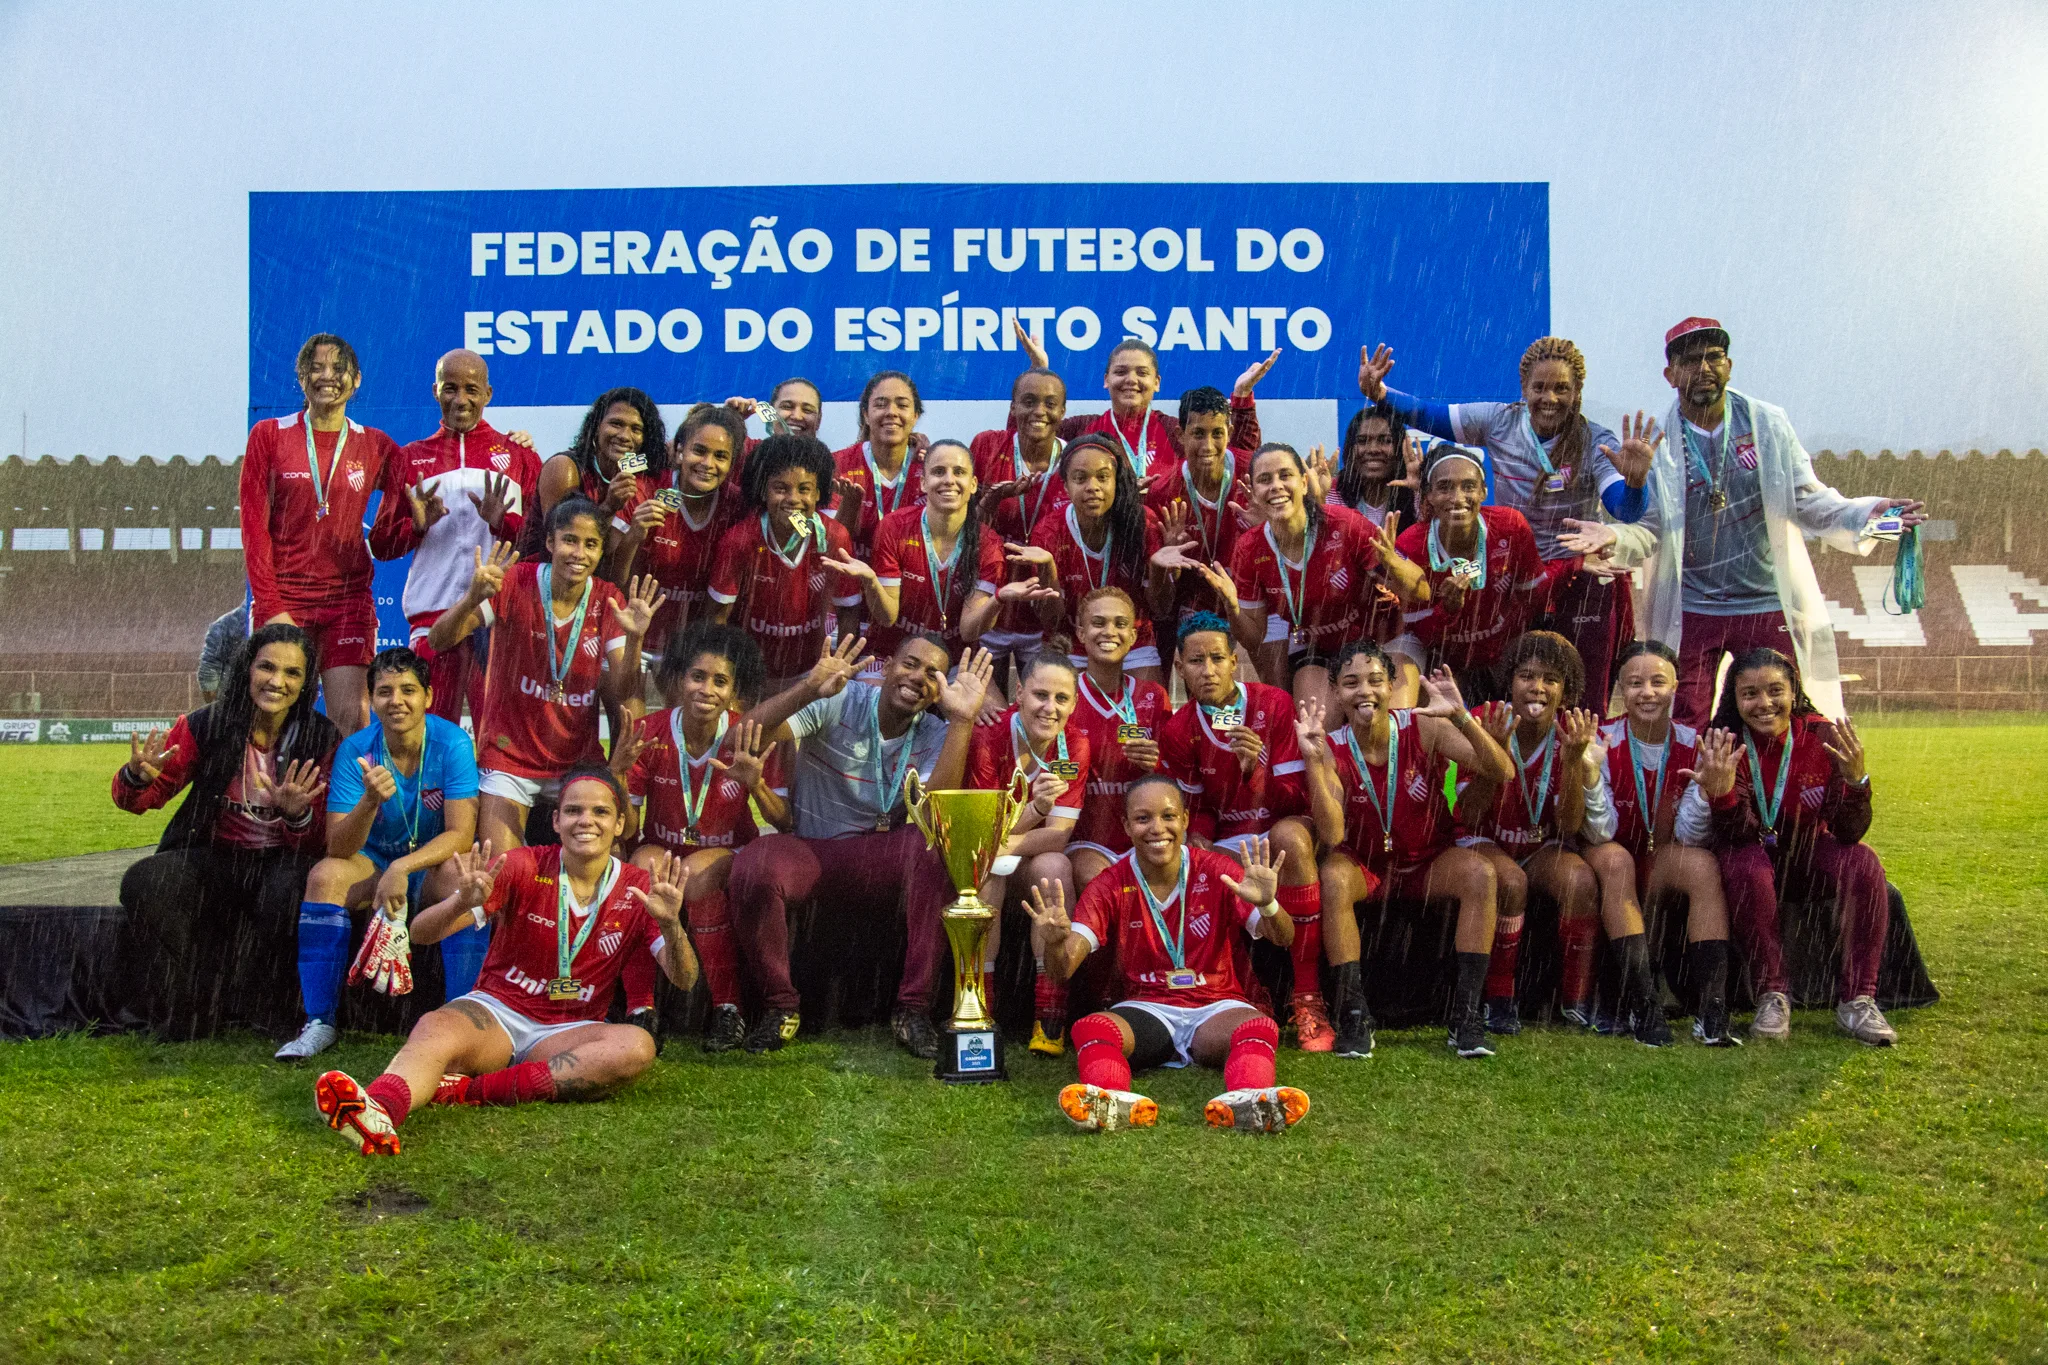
(1548, 462)
(619, 460)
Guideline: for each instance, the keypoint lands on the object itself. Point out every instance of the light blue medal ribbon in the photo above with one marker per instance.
(1028, 761)
(561, 660)
(693, 802)
(867, 455)
(321, 483)
(888, 788)
(1386, 807)
(1140, 458)
(1292, 597)
(565, 986)
(1768, 809)
(1444, 562)
(802, 528)
(1644, 803)
(942, 570)
(1124, 708)
(1716, 498)
(1176, 947)
(1548, 749)
(1108, 545)
(1536, 444)
(1222, 497)
(412, 829)
(1238, 705)
(1024, 472)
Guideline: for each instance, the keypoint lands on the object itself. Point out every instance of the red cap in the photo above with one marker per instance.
(1691, 325)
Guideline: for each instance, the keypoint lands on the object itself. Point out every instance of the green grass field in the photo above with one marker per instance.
(54, 803)
(1573, 1199)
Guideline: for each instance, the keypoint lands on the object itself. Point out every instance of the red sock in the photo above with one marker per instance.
(1049, 1000)
(718, 951)
(1250, 1063)
(1500, 971)
(391, 1091)
(1580, 938)
(1304, 905)
(517, 1084)
(1099, 1052)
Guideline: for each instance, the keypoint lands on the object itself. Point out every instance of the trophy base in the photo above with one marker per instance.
(970, 1056)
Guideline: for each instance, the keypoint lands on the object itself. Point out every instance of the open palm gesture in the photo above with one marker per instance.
(1261, 883)
(1374, 363)
(292, 792)
(147, 755)
(748, 756)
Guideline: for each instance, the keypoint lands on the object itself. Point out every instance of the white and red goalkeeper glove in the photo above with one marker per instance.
(385, 959)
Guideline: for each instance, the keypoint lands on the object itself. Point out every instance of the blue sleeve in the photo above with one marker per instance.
(1429, 415)
(345, 780)
(455, 758)
(1624, 503)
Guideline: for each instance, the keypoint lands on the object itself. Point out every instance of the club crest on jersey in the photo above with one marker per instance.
(589, 645)
(817, 582)
(1199, 925)
(1811, 797)
(608, 943)
(355, 477)
(729, 790)
(1341, 579)
(431, 798)
(1745, 453)
(1418, 785)
(501, 460)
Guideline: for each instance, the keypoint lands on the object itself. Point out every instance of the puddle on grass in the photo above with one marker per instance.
(382, 1199)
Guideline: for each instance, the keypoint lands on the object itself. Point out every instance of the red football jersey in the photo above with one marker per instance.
(907, 491)
(1423, 826)
(994, 749)
(1334, 589)
(1630, 830)
(1223, 800)
(788, 601)
(1492, 616)
(1215, 529)
(1160, 443)
(525, 731)
(1509, 823)
(1110, 774)
(1815, 800)
(1079, 571)
(525, 951)
(294, 556)
(679, 555)
(656, 785)
(995, 461)
(1209, 923)
(457, 465)
(900, 562)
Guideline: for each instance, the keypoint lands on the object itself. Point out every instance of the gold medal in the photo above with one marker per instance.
(564, 988)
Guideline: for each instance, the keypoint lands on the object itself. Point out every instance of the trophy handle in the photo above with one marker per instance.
(917, 805)
(1013, 800)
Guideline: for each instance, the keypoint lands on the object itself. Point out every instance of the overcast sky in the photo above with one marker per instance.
(1859, 191)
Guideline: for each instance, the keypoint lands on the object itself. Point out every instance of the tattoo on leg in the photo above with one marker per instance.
(569, 1086)
(475, 1013)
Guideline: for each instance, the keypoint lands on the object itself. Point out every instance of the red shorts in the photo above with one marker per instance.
(344, 633)
(1409, 882)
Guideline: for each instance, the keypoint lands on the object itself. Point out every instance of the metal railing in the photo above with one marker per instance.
(95, 694)
(1908, 689)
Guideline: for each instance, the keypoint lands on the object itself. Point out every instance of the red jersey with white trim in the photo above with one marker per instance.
(995, 461)
(1110, 774)
(788, 602)
(656, 785)
(1078, 571)
(1816, 798)
(1244, 428)
(900, 562)
(457, 465)
(1211, 926)
(679, 553)
(1630, 831)
(1223, 800)
(525, 951)
(1334, 588)
(525, 732)
(294, 557)
(1509, 822)
(1423, 826)
(993, 751)
(1216, 530)
(907, 491)
(1490, 617)
(1161, 440)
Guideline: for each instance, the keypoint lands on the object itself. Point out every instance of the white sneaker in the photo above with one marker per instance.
(315, 1038)
(1773, 1016)
(1862, 1020)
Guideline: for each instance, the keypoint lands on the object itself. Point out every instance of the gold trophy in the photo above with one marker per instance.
(967, 830)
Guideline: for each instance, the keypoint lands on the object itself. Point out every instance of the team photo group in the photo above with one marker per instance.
(1476, 658)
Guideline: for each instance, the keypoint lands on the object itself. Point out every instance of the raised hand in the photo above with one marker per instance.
(1047, 907)
(1034, 555)
(1010, 488)
(293, 792)
(491, 568)
(1384, 538)
(667, 880)
(477, 873)
(1030, 344)
(626, 746)
(1174, 558)
(1261, 884)
(1373, 367)
(1309, 733)
(636, 613)
(745, 407)
(1218, 578)
(1321, 476)
(147, 756)
(1250, 378)
(1586, 537)
(1173, 523)
(749, 760)
(1246, 744)
(837, 665)
(960, 696)
(1713, 763)
(1911, 511)
(1411, 463)
(379, 785)
(1142, 754)
(1577, 728)
(1639, 437)
(647, 516)
(1445, 701)
(426, 507)
(1028, 590)
(858, 570)
(1847, 751)
(1046, 789)
(1498, 718)
(496, 501)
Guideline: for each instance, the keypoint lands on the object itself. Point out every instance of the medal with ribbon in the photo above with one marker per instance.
(1646, 802)
(693, 801)
(561, 658)
(1124, 708)
(1767, 809)
(1466, 573)
(1200, 502)
(323, 482)
(1180, 978)
(1293, 596)
(565, 986)
(803, 529)
(1533, 808)
(1029, 760)
(887, 787)
(1228, 716)
(1553, 479)
(1088, 555)
(943, 571)
(1695, 439)
(867, 455)
(1024, 471)
(1384, 807)
(1139, 456)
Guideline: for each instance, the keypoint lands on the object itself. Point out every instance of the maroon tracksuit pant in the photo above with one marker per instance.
(1849, 873)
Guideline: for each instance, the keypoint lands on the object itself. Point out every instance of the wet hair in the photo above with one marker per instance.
(867, 390)
(1045, 658)
(1107, 590)
(1548, 649)
(713, 415)
(1351, 471)
(572, 507)
(778, 454)
(1570, 450)
(968, 554)
(1728, 716)
(816, 392)
(1131, 344)
(1199, 623)
(729, 643)
(399, 660)
(1312, 506)
(342, 351)
(1369, 649)
(1154, 779)
(1126, 509)
(594, 772)
(1206, 399)
(653, 431)
(306, 735)
(1044, 370)
(1636, 649)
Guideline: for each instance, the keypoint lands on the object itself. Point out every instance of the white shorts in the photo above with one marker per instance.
(1411, 648)
(1079, 845)
(1144, 656)
(1010, 644)
(1521, 859)
(526, 1035)
(1182, 1020)
(522, 791)
(1276, 628)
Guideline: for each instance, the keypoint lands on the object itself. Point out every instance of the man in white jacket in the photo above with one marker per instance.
(1735, 499)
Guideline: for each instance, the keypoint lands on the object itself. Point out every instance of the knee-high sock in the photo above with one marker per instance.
(1049, 1000)
(1304, 905)
(1249, 1065)
(1099, 1053)
(1710, 969)
(323, 957)
(520, 1083)
(718, 951)
(462, 958)
(391, 1091)
(1580, 937)
(1638, 986)
(1473, 969)
(1507, 951)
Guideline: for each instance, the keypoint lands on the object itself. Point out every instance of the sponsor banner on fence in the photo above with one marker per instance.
(85, 731)
(20, 731)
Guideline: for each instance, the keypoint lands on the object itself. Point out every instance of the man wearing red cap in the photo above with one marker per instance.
(1736, 499)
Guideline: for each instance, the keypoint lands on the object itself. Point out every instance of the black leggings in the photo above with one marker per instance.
(211, 940)
(1151, 1044)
